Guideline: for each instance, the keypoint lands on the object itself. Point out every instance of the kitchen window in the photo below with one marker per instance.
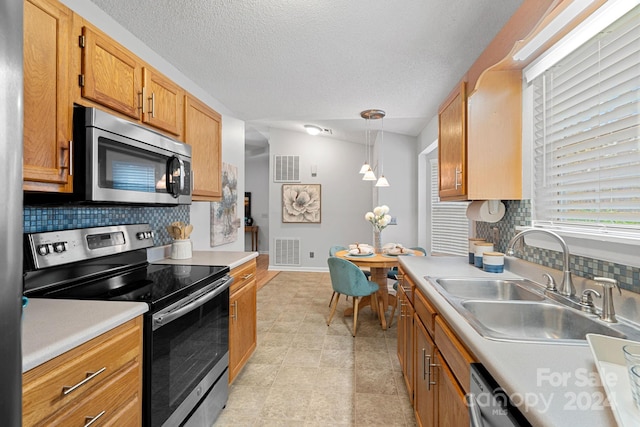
(449, 223)
(585, 126)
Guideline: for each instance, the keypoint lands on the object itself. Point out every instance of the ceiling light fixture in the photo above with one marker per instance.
(374, 114)
(313, 129)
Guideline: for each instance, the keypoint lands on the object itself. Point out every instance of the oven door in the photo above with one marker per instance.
(189, 354)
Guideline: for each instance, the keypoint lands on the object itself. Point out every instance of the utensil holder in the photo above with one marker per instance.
(181, 249)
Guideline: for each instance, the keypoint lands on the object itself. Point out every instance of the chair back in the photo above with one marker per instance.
(418, 248)
(334, 249)
(348, 279)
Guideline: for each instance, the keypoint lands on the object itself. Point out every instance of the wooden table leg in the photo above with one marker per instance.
(379, 275)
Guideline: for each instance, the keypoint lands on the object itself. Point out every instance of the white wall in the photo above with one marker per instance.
(345, 196)
(401, 170)
(232, 128)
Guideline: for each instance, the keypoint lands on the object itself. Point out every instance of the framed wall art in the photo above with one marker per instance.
(301, 203)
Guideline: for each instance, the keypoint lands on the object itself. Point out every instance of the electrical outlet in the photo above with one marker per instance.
(311, 254)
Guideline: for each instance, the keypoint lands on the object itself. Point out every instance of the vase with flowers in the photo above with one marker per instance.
(379, 218)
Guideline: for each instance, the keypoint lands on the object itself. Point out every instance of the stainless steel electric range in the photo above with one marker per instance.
(186, 330)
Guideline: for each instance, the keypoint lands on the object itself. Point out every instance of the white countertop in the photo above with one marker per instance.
(232, 259)
(552, 384)
(51, 327)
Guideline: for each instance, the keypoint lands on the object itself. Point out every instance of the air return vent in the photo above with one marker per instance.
(286, 168)
(287, 251)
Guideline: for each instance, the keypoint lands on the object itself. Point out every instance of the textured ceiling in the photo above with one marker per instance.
(284, 63)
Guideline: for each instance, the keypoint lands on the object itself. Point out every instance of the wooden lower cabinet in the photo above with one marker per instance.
(405, 338)
(99, 380)
(438, 378)
(424, 403)
(242, 317)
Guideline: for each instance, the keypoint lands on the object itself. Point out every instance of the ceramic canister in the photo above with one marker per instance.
(481, 248)
(493, 262)
(472, 247)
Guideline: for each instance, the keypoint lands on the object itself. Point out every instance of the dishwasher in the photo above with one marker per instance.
(489, 405)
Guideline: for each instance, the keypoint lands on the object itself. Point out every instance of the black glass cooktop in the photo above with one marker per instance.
(156, 284)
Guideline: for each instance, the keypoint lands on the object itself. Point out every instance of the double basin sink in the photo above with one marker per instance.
(519, 310)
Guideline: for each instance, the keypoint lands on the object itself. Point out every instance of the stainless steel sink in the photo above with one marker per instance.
(532, 322)
(490, 289)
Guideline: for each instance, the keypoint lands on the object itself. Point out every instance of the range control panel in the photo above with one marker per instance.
(53, 248)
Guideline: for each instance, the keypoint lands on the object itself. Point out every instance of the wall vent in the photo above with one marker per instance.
(286, 168)
(287, 251)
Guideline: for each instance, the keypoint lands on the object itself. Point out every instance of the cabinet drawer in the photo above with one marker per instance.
(456, 356)
(116, 400)
(242, 275)
(425, 311)
(44, 386)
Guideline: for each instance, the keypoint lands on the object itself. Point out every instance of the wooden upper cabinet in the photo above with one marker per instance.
(163, 101)
(452, 146)
(111, 76)
(47, 111)
(203, 132)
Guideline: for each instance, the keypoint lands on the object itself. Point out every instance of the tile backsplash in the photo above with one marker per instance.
(46, 218)
(518, 214)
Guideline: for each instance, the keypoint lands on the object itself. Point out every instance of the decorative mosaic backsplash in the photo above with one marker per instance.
(39, 218)
(518, 213)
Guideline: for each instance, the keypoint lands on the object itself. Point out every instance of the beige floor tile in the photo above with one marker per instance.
(305, 373)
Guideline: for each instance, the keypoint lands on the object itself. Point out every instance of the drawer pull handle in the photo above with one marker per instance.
(90, 375)
(246, 276)
(91, 420)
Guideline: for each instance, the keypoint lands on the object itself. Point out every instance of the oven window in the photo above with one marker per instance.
(184, 351)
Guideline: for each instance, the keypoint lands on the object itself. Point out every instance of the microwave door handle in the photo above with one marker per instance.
(171, 184)
(181, 176)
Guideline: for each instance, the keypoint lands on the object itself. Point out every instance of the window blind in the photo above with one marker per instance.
(449, 223)
(586, 142)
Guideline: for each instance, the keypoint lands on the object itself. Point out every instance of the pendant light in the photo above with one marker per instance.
(372, 114)
(382, 181)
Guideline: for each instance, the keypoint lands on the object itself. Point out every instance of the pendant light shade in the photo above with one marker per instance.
(369, 175)
(365, 167)
(382, 182)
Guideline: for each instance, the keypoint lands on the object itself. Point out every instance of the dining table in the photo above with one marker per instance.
(378, 264)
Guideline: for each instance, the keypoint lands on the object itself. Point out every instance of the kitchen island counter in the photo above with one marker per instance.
(51, 327)
(552, 384)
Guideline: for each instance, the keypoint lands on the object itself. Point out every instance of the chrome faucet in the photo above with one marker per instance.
(566, 287)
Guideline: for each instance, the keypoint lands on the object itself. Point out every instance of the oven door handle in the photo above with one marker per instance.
(164, 317)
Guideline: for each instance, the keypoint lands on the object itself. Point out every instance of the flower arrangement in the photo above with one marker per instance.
(379, 218)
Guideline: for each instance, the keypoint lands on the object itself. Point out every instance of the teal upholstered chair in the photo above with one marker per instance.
(348, 279)
(332, 252)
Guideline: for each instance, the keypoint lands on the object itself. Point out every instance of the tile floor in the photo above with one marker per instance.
(304, 373)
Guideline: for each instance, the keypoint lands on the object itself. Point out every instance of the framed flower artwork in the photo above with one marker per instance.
(301, 203)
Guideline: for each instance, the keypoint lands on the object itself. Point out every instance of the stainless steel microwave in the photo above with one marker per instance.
(116, 161)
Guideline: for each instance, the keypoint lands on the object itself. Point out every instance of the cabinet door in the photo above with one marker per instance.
(405, 330)
(242, 327)
(163, 102)
(47, 113)
(203, 132)
(112, 75)
(452, 409)
(425, 398)
(452, 147)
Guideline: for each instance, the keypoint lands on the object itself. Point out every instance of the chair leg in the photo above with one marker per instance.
(333, 310)
(393, 302)
(331, 300)
(356, 302)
